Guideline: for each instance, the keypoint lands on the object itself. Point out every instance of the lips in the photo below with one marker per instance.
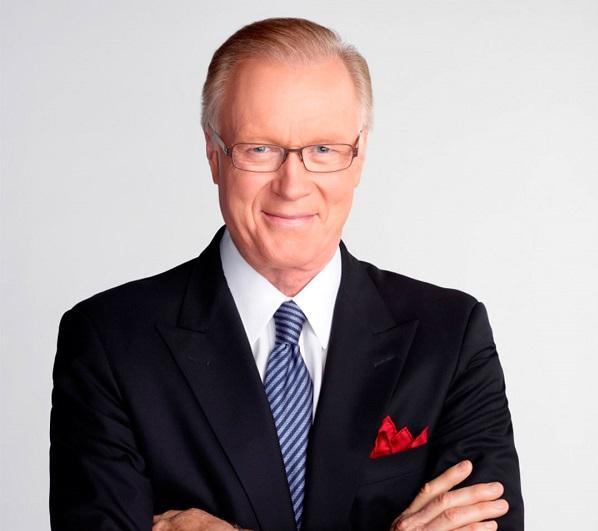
(288, 219)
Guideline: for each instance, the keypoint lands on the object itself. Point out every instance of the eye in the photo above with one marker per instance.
(259, 149)
(322, 149)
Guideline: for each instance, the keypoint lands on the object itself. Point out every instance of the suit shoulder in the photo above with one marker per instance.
(425, 298)
(140, 297)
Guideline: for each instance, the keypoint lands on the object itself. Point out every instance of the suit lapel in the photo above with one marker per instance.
(210, 346)
(366, 354)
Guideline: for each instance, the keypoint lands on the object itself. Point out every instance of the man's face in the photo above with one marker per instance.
(289, 219)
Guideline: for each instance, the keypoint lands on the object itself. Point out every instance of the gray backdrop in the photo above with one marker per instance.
(481, 175)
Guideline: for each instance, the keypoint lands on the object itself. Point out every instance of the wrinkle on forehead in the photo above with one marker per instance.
(291, 104)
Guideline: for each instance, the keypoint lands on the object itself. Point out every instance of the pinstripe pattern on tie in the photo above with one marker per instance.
(289, 390)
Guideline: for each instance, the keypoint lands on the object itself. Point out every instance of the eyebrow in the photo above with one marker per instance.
(316, 141)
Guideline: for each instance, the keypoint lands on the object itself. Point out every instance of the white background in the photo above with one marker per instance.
(482, 175)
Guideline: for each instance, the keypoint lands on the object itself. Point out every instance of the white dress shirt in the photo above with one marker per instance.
(257, 300)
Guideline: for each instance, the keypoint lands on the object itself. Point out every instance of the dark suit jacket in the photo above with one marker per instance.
(158, 404)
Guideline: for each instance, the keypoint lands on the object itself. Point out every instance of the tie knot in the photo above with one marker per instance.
(289, 321)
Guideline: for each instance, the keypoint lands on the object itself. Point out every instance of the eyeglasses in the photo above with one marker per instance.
(264, 158)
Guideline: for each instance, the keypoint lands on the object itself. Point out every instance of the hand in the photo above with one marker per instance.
(189, 520)
(467, 508)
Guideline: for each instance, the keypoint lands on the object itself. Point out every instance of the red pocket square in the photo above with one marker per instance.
(390, 441)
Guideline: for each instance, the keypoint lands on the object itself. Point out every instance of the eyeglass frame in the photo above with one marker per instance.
(228, 151)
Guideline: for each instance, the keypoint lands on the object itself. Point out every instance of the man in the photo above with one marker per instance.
(275, 382)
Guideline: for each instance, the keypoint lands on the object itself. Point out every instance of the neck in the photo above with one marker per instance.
(289, 282)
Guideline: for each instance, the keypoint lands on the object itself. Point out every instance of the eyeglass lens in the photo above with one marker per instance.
(316, 158)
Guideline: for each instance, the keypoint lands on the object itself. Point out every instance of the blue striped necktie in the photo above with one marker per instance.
(290, 392)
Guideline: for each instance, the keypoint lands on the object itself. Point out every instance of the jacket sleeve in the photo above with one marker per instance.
(476, 423)
(97, 474)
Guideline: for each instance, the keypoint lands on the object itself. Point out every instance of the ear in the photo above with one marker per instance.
(212, 156)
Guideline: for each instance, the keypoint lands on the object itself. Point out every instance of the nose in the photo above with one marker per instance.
(292, 180)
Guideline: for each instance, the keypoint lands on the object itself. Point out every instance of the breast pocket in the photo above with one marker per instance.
(395, 465)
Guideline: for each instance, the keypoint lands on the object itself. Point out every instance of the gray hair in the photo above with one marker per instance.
(282, 39)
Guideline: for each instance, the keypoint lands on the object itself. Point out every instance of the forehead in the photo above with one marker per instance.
(291, 102)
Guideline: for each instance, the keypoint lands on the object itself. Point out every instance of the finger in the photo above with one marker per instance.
(457, 517)
(490, 525)
(195, 518)
(442, 483)
(458, 498)
(168, 514)
(190, 516)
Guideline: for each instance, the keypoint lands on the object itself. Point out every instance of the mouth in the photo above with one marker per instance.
(288, 220)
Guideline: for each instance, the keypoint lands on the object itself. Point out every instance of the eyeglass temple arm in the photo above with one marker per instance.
(219, 141)
(356, 144)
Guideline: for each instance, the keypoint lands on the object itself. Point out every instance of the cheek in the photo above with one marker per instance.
(338, 197)
(239, 196)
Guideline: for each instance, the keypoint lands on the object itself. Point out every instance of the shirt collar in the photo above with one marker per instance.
(257, 299)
